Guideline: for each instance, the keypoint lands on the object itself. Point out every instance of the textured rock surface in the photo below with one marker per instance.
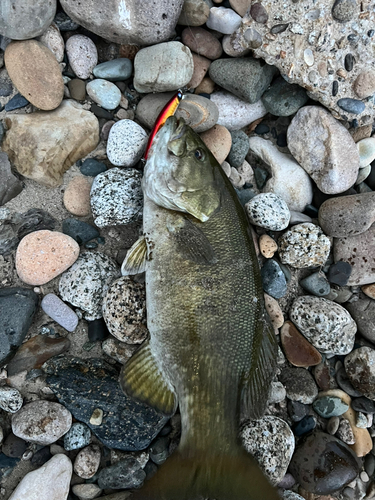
(26, 20)
(360, 367)
(363, 312)
(10, 185)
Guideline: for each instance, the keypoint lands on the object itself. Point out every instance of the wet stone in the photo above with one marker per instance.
(307, 424)
(92, 167)
(79, 230)
(78, 436)
(298, 350)
(297, 411)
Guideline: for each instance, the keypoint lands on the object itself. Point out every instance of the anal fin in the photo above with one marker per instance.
(135, 260)
(142, 379)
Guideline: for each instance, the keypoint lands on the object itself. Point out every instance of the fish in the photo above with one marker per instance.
(212, 348)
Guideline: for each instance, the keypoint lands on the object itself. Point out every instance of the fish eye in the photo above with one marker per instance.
(199, 154)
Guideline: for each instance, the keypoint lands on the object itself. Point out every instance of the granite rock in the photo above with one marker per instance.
(126, 143)
(269, 211)
(299, 384)
(53, 40)
(87, 461)
(82, 55)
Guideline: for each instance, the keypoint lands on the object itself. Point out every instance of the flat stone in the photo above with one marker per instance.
(82, 55)
(316, 284)
(126, 143)
(194, 13)
(353, 106)
(299, 384)
(298, 350)
(17, 102)
(77, 437)
(10, 186)
(359, 366)
(267, 246)
(87, 461)
(53, 40)
(219, 141)
(269, 211)
(10, 400)
(223, 20)
(234, 113)
(330, 406)
(80, 231)
(283, 98)
(273, 279)
(127, 473)
(339, 273)
(77, 196)
(115, 71)
(364, 405)
(202, 42)
(60, 312)
(27, 22)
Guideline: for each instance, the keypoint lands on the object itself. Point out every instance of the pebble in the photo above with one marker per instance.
(86, 491)
(333, 425)
(64, 23)
(362, 421)
(273, 279)
(53, 40)
(97, 330)
(353, 106)
(77, 89)
(268, 210)
(299, 384)
(364, 84)
(49, 482)
(298, 351)
(13, 446)
(283, 98)
(117, 350)
(304, 245)
(289, 180)
(259, 13)
(77, 196)
(116, 70)
(318, 476)
(10, 186)
(35, 72)
(96, 418)
(369, 290)
(344, 10)
(77, 437)
(30, 21)
(329, 406)
(87, 461)
(334, 165)
(92, 167)
(124, 311)
(41, 422)
(345, 432)
(116, 197)
(202, 42)
(35, 219)
(359, 366)
(245, 78)
(43, 255)
(85, 284)
(363, 405)
(104, 93)
(80, 231)
(219, 141)
(339, 273)
(308, 56)
(267, 246)
(10, 399)
(234, 113)
(366, 150)
(194, 13)
(56, 309)
(291, 495)
(127, 473)
(126, 143)
(316, 284)
(201, 65)
(327, 325)
(345, 384)
(362, 176)
(304, 426)
(18, 101)
(223, 20)
(163, 67)
(82, 55)
(239, 149)
(271, 442)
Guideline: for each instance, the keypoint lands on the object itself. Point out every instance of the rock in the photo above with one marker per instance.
(41, 422)
(124, 311)
(115, 71)
(351, 105)
(223, 20)
(85, 284)
(117, 350)
(126, 143)
(86, 491)
(347, 215)
(286, 175)
(49, 482)
(80, 231)
(77, 437)
(77, 89)
(366, 150)
(323, 464)
(92, 167)
(290, 495)
(330, 406)
(7, 464)
(17, 102)
(273, 279)
(8, 239)
(324, 148)
(267, 246)
(83, 386)
(219, 141)
(202, 42)
(75, 130)
(327, 325)
(56, 309)
(235, 113)
(239, 149)
(10, 400)
(363, 405)
(97, 330)
(10, 186)
(283, 98)
(82, 55)
(53, 40)
(345, 432)
(304, 426)
(362, 176)
(87, 461)
(13, 446)
(345, 384)
(33, 353)
(116, 197)
(163, 67)
(43, 255)
(359, 366)
(133, 22)
(35, 219)
(364, 85)
(357, 251)
(344, 10)
(304, 245)
(77, 196)
(316, 284)
(369, 290)
(269, 211)
(299, 384)
(28, 21)
(240, 6)
(245, 78)
(127, 473)
(194, 13)
(298, 350)
(339, 273)
(104, 93)
(271, 442)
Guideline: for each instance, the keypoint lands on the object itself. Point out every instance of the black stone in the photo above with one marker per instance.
(261, 129)
(41, 456)
(14, 446)
(159, 450)
(83, 385)
(349, 62)
(278, 28)
(363, 404)
(351, 105)
(335, 87)
(6, 464)
(97, 330)
(124, 474)
(297, 411)
(370, 181)
(371, 33)
(311, 211)
(307, 424)
(339, 273)
(10, 185)
(273, 279)
(245, 195)
(281, 140)
(8, 239)
(35, 219)
(17, 308)
(261, 175)
(101, 112)
(150, 469)
(64, 22)
(17, 102)
(92, 167)
(80, 231)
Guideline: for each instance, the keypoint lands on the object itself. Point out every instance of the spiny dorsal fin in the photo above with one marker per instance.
(135, 260)
(142, 379)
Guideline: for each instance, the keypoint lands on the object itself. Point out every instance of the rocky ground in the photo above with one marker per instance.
(283, 95)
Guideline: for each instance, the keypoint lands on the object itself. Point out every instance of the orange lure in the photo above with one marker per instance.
(168, 110)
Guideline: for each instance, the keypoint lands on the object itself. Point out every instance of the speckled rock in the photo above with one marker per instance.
(239, 149)
(87, 461)
(27, 22)
(85, 284)
(284, 99)
(359, 366)
(10, 399)
(124, 310)
(77, 196)
(271, 442)
(327, 325)
(126, 143)
(298, 350)
(330, 406)
(82, 55)
(202, 42)
(126, 473)
(267, 246)
(86, 491)
(364, 85)
(78, 436)
(273, 279)
(274, 311)
(104, 93)
(219, 141)
(116, 197)
(53, 40)
(269, 211)
(234, 113)
(43, 255)
(59, 312)
(41, 422)
(299, 384)
(363, 312)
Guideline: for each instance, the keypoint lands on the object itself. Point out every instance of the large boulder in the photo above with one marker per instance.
(23, 19)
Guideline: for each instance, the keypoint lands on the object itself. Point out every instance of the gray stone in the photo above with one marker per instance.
(283, 98)
(240, 148)
(82, 55)
(353, 106)
(8, 239)
(268, 210)
(299, 384)
(223, 20)
(363, 312)
(360, 368)
(115, 70)
(77, 437)
(316, 284)
(344, 10)
(127, 473)
(330, 406)
(10, 399)
(59, 312)
(126, 143)
(104, 93)
(234, 113)
(86, 491)
(273, 279)
(21, 21)
(10, 186)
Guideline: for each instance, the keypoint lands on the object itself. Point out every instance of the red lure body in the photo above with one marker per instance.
(168, 110)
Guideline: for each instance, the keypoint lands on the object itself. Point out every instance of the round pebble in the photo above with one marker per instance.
(299, 384)
(223, 20)
(316, 284)
(59, 312)
(366, 149)
(269, 211)
(79, 230)
(77, 196)
(77, 437)
(364, 84)
(10, 399)
(87, 461)
(353, 106)
(86, 491)
(82, 55)
(202, 42)
(126, 143)
(115, 70)
(104, 93)
(267, 245)
(77, 89)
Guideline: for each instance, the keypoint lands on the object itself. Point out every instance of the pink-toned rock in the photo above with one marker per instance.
(77, 196)
(201, 65)
(274, 311)
(298, 350)
(43, 255)
(202, 42)
(268, 246)
(219, 141)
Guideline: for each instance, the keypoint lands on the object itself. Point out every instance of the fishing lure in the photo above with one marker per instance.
(169, 109)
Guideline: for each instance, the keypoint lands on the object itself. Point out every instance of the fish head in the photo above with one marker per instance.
(181, 172)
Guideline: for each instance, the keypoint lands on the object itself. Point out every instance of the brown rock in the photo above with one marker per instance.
(206, 86)
(35, 72)
(274, 311)
(259, 13)
(77, 196)
(298, 350)
(202, 42)
(369, 290)
(364, 84)
(360, 133)
(219, 141)
(129, 51)
(240, 6)
(201, 65)
(77, 89)
(194, 13)
(43, 255)
(268, 246)
(55, 141)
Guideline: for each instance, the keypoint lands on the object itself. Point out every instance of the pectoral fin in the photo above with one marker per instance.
(135, 260)
(142, 379)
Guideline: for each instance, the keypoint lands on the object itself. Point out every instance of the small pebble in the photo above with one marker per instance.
(273, 279)
(269, 211)
(345, 432)
(86, 491)
(304, 426)
(329, 406)
(219, 141)
(97, 417)
(116, 70)
(60, 312)
(333, 425)
(298, 350)
(82, 55)
(299, 384)
(104, 93)
(97, 330)
(267, 245)
(339, 273)
(17, 102)
(369, 290)
(78, 436)
(92, 167)
(77, 196)
(223, 20)
(351, 105)
(316, 284)
(87, 461)
(126, 143)
(361, 421)
(274, 311)
(77, 89)
(10, 399)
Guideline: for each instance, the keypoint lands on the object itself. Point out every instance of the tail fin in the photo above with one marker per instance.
(236, 477)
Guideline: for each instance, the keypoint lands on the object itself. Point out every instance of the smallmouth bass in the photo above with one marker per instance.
(212, 348)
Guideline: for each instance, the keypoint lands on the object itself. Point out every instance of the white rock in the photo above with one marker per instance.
(126, 143)
(277, 393)
(82, 54)
(234, 113)
(223, 20)
(54, 41)
(366, 150)
(10, 399)
(104, 93)
(87, 461)
(289, 180)
(49, 482)
(268, 210)
(86, 491)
